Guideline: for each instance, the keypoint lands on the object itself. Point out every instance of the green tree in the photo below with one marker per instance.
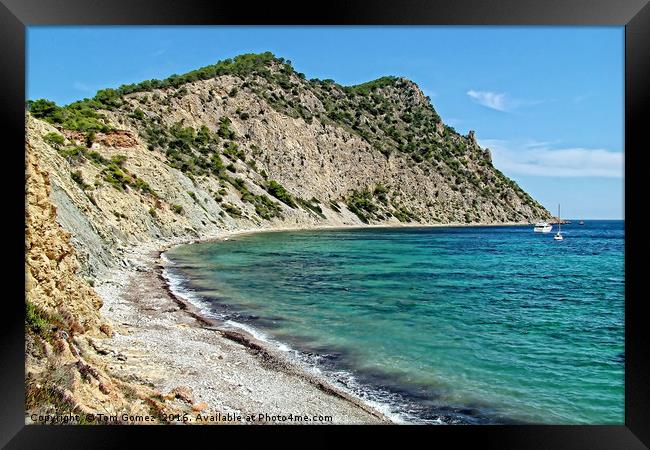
(224, 130)
(55, 140)
(217, 164)
(138, 114)
(203, 135)
(90, 138)
(45, 109)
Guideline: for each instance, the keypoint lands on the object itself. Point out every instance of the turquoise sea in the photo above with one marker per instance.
(438, 325)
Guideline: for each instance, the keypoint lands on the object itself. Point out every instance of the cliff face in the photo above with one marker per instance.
(65, 367)
(51, 265)
(251, 143)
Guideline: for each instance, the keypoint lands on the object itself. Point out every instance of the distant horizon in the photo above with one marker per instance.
(547, 101)
(593, 220)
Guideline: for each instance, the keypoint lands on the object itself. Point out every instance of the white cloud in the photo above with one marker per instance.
(492, 100)
(538, 158)
(501, 101)
(81, 86)
(581, 98)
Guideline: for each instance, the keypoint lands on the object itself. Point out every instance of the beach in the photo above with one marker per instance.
(163, 341)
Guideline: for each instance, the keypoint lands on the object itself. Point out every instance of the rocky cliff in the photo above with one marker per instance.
(65, 365)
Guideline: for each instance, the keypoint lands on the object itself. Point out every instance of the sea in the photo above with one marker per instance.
(439, 325)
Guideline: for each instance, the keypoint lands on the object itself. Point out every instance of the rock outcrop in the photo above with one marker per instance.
(51, 266)
(65, 372)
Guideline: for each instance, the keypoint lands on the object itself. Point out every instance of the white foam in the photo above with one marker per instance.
(309, 363)
(175, 285)
(257, 334)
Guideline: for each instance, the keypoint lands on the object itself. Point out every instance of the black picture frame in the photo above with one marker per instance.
(16, 15)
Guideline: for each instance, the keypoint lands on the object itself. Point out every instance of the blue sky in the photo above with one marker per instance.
(548, 101)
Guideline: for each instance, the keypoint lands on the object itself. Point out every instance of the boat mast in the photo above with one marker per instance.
(559, 219)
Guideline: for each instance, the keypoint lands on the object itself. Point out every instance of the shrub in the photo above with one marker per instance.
(77, 178)
(35, 320)
(311, 205)
(362, 200)
(232, 210)
(178, 209)
(232, 150)
(277, 190)
(115, 176)
(96, 157)
(217, 164)
(239, 184)
(224, 130)
(266, 208)
(403, 215)
(73, 154)
(118, 160)
(361, 203)
(54, 140)
(90, 138)
(203, 136)
(143, 186)
(138, 114)
(335, 206)
(380, 192)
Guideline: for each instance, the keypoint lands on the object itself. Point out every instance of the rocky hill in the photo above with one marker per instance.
(247, 143)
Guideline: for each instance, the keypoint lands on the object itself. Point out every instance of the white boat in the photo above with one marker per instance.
(558, 235)
(542, 227)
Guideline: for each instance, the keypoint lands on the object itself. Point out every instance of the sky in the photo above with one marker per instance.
(547, 101)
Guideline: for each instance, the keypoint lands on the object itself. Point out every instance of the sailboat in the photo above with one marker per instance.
(558, 235)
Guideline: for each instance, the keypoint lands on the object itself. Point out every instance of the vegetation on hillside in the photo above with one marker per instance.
(278, 191)
(82, 116)
(112, 170)
(390, 113)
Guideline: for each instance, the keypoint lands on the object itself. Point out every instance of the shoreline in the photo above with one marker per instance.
(246, 231)
(266, 350)
(143, 269)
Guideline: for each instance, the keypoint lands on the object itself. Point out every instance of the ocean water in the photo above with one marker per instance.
(436, 325)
